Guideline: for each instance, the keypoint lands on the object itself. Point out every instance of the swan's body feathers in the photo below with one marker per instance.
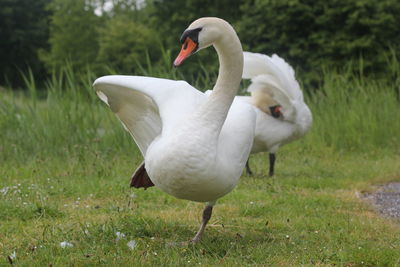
(181, 156)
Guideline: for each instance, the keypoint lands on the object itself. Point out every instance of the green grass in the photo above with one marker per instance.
(65, 164)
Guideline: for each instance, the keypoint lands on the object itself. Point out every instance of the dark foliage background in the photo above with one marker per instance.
(45, 34)
(24, 29)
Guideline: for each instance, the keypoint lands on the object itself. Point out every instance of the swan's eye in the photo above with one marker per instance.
(276, 111)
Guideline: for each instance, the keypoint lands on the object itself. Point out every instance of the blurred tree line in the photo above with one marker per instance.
(126, 35)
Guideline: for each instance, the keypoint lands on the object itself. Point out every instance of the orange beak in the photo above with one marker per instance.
(188, 48)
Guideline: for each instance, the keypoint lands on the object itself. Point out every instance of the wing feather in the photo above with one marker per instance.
(143, 104)
(275, 77)
(280, 73)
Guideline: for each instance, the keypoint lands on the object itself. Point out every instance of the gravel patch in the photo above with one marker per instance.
(386, 200)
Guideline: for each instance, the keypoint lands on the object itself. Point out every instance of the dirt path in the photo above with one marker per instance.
(386, 200)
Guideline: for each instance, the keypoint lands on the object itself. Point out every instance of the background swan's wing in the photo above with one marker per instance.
(147, 106)
(279, 72)
(266, 84)
(275, 77)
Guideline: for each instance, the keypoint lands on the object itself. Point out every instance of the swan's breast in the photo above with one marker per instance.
(184, 169)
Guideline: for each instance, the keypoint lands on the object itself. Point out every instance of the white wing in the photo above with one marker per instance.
(275, 77)
(147, 106)
(280, 73)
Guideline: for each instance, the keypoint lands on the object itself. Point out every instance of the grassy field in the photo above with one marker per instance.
(65, 165)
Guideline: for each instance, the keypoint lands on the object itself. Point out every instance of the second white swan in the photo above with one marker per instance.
(282, 114)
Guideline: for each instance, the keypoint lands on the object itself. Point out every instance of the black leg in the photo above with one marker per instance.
(272, 158)
(248, 170)
(206, 217)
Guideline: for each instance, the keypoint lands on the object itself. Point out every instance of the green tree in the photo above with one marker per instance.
(23, 30)
(311, 33)
(124, 43)
(172, 17)
(73, 34)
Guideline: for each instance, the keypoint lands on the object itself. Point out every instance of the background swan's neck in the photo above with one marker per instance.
(230, 55)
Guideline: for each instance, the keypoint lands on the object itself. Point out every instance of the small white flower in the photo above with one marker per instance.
(66, 244)
(13, 255)
(287, 236)
(251, 203)
(131, 244)
(4, 190)
(119, 236)
(100, 132)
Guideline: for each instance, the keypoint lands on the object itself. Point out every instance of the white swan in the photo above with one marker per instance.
(193, 147)
(282, 115)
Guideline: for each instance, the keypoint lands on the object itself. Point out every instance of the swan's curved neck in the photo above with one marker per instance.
(230, 55)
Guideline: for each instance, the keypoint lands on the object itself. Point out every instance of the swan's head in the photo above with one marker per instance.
(200, 34)
(264, 101)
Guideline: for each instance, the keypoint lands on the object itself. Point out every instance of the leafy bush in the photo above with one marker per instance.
(124, 43)
(311, 33)
(73, 35)
(22, 33)
(306, 33)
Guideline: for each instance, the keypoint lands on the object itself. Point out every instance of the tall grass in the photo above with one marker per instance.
(62, 119)
(65, 162)
(350, 112)
(355, 113)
